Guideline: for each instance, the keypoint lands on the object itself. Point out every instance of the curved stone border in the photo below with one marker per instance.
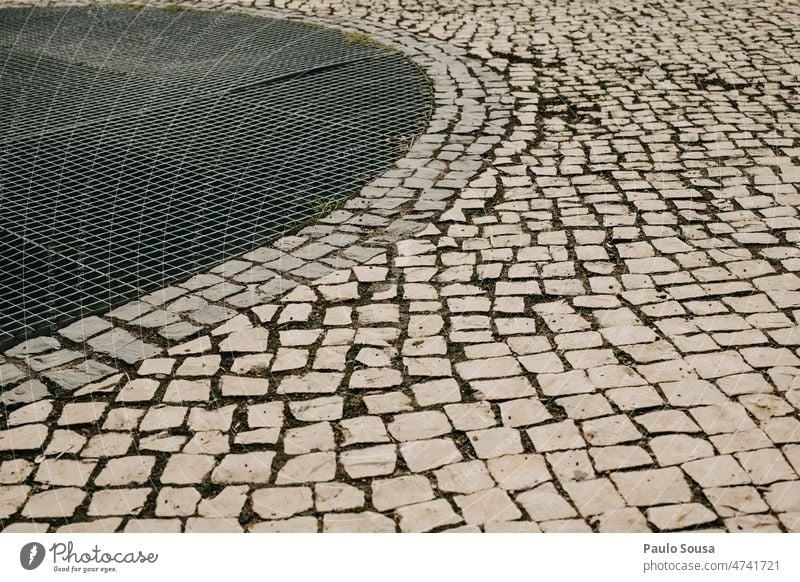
(395, 205)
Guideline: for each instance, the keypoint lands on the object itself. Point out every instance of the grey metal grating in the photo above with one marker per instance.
(138, 147)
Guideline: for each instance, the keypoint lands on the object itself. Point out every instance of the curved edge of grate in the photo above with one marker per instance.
(105, 345)
(93, 305)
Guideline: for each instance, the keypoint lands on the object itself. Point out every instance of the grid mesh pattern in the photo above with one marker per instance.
(138, 147)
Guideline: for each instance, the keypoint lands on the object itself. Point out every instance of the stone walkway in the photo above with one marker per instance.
(573, 306)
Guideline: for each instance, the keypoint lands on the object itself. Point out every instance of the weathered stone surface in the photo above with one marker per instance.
(405, 490)
(369, 461)
(255, 467)
(22, 438)
(281, 502)
(309, 468)
(429, 454)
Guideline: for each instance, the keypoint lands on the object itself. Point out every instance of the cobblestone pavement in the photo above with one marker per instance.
(573, 306)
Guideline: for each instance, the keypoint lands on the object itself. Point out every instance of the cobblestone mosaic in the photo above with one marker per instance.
(572, 306)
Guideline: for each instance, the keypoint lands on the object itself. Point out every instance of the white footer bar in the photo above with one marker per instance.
(388, 558)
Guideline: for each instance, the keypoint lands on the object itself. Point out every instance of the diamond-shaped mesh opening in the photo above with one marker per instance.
(138, 147)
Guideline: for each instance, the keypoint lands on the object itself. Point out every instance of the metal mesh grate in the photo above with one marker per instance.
(138, 147)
